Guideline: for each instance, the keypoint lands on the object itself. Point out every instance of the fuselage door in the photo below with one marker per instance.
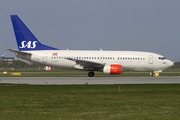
(150, 59)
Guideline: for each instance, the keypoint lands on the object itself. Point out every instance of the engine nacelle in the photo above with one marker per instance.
(112, 69)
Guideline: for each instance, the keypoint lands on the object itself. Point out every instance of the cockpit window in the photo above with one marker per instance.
(162, 58)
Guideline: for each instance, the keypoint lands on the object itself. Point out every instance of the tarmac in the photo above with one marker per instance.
(89, 80)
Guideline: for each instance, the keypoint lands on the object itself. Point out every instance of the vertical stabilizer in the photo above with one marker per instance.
(26, 41)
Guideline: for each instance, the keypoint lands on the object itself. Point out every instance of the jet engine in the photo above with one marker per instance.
(112, 69)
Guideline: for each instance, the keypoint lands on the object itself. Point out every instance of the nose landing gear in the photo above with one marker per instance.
(152, 74)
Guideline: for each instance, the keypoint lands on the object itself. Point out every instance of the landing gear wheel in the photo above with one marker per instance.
(91, 74)
(153, 74)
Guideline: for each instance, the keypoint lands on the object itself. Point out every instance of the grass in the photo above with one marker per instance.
(98, 102)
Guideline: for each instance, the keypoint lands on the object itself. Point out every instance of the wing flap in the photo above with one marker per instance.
(87, 63)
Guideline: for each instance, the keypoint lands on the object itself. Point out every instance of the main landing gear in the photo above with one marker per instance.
(91, 74)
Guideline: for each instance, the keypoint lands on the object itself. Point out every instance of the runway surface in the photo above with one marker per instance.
(89, 80)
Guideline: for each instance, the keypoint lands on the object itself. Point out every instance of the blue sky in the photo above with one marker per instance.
(132, 25)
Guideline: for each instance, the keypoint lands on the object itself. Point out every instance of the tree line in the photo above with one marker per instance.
(17, 64)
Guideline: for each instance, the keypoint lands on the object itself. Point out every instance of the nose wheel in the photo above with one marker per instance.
(91, 74)
(152, 74)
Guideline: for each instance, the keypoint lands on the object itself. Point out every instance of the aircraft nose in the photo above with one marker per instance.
(170, 63)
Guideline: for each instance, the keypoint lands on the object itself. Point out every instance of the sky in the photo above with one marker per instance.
(128, 25)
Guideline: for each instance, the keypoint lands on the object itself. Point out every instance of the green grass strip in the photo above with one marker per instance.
(91, 102)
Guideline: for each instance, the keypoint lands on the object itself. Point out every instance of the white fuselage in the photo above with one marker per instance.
(130, 60)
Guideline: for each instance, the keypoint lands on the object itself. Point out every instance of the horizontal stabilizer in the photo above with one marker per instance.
(19, 52)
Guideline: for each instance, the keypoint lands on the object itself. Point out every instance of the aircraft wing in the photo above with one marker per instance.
(86, 63)
(19, 52)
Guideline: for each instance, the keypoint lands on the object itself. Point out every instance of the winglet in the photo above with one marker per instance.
(26, 41)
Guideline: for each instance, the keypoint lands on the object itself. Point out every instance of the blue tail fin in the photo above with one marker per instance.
(26, 41)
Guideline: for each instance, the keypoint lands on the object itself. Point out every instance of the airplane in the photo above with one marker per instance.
(2, 56)
(7, 58)
(108, 62)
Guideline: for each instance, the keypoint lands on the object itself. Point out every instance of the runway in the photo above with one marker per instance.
(89, 80)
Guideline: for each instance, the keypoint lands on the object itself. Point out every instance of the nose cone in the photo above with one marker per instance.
(170, 63)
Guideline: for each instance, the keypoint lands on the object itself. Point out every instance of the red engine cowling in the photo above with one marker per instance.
(112, 69)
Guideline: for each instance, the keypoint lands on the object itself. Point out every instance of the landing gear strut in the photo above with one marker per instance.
(91, 74)
(152, 74)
